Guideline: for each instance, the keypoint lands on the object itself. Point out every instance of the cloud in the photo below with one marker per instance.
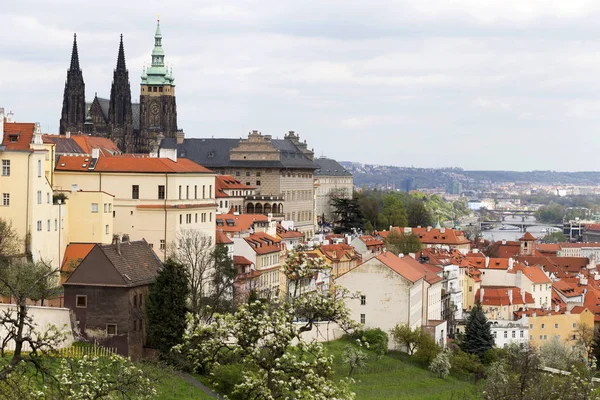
(419, 82)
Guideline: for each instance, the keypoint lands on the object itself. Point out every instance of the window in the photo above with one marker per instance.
(514, 334)
(55, 224)
(247, 183)
(161, 192)
(162, 244)
(521, 333)
(195, 191)
(505, 334)
(94, 207)
(135, 192)
(258, 174)
(196, 218)
(363, 300)
(6, 199)
(111, 329)
(187, 191)
(179, 192)
(530, 326)
(39, 226)
(107, 229)
(48, 225)
(181, 218)
(237, 173)
(210, 191)
(5, 167)
(556, 326)
(574, 337)
(203, 191)
(110, 208)
(470, 288)
(105, 207)
(257, 183)
(574, 324)
(543, 326)
(247, 173)
(48, 197)
(81, 301)
(362, 318)
(39, 168)
(39, 197)
(188, 218)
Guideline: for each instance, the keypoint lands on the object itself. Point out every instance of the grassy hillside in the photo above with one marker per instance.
(395, 376)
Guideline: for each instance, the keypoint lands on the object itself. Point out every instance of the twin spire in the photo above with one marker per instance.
(74, 56)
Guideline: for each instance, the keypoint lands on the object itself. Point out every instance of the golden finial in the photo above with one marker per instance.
(158, 17)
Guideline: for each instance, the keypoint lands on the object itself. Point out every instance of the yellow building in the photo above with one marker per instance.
(546, 324)
(154, 197)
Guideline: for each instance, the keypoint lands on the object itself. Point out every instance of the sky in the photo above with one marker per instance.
(476, 84)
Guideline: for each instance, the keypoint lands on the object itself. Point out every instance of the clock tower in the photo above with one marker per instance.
(158, 110)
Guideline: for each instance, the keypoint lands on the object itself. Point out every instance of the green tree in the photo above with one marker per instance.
(406, 337)
(166, 307)
(399, 242)
(417, 214)
(348, 214)
(354, 358)
(441, 364)
(478, 335)
(552, 213)
(393, 212)
(220, 299)
(555, 237)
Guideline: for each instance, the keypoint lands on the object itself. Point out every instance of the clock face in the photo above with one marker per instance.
(154, 109)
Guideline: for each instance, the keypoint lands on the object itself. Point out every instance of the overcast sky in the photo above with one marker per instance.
(507, 84)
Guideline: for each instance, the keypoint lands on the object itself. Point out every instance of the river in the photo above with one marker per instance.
(497, 234)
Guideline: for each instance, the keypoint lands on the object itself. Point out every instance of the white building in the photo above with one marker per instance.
(506, 332)
(391, 293)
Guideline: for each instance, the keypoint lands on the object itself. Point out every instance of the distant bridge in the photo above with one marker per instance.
(523, 225)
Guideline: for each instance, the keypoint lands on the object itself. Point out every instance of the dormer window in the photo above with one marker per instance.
(14, 138)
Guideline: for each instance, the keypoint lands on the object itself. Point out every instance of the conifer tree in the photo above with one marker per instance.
(167, 307)
(478, 334)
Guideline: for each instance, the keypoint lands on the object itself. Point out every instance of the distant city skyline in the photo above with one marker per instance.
(494, 85)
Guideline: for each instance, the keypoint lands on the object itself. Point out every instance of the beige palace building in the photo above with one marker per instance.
(154, 197)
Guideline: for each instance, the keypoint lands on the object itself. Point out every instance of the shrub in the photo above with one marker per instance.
(354, 358)
(376, 338)
(427, 348)
(466, 364)
(441, 364)
(225, 377)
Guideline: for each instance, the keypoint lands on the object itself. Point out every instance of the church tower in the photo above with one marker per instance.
(158, 110)
(120, 116)
(73, 109)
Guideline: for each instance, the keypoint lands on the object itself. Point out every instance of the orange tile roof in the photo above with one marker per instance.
(241, 260)
(527, 237)
(23, 132)
(534, 274)
(498, 263)
(74, 254)
(262, 243)
(567, 288)
(228, 182)
(106, 146)
(222, 238)
(431, 271)
(499, 296)
(288, 234)
(129, 164)
(401, 267)
(238, 223)
(440, 236)
(577, 245)
(548, 248)
(370, 241)
(336, 252)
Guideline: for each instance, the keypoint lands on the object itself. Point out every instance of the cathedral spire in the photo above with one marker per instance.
(121, 57)
(74, 55)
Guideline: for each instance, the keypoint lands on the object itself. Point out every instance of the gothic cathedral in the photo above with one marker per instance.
(132, 126)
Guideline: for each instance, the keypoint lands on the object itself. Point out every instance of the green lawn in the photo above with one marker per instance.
(170, 386)
(395, 376)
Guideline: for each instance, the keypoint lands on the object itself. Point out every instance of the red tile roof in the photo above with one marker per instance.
(238, 223)
(129, 164)
(527, 237)
(22, 131)
(534, 274)
(336, 252)
(74, 254)
(401, 267)
(222, 238)
(288, 234)
(370, 241)
(262, 243)
(499, 296)
(431, 271)
(241, 260)
(228, 182)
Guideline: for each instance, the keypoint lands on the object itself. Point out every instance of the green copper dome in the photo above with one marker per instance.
(157, 74)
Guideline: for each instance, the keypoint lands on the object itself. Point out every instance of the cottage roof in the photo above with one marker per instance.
(401, 267)
(18, 135)
(128, 164)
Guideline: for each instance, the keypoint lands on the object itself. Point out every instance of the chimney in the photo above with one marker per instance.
(125, 238)
(171, 154)
(487, 261)
(95, 153)
(117, 243)
(401, 255)
(511, 263)
(180, 136)
(68, 135)
(510, 296)
(10, 117)
(503, 241)
(481, 293)
(428, 229)
(557, 308)
(475, 251)
(442, 230)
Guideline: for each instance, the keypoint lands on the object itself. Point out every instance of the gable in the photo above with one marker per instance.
(97, 270)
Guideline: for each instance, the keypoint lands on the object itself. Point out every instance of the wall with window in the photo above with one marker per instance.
(543, 326)
(89, 215)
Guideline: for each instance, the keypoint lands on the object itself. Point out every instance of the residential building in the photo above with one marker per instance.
(500, 302)
(367, 246)
(547, 324)
(445, 238)
(231, 194)
(340, 257)
(154, 198)
(264, 251)
(332, 181)
(507, 332)
(391, 292)
(240, 225)
(290, 238)
(107, 294)
(281, 170)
